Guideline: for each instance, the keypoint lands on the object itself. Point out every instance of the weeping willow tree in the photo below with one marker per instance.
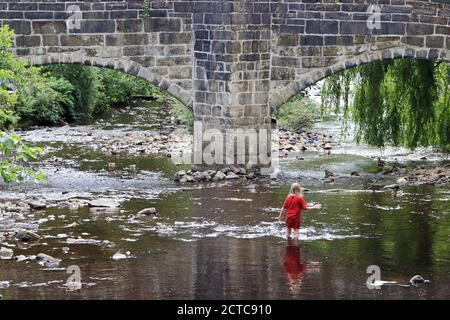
(398, 102)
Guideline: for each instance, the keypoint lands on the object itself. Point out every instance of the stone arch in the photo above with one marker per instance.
(123, 65)
(282, 93)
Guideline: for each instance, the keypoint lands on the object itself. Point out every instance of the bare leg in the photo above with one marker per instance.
(296, 234)
(288, 233)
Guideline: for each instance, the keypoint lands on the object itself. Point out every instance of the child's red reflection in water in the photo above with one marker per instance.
(294, 269)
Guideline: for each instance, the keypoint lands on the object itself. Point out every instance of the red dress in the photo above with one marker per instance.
(293, 206)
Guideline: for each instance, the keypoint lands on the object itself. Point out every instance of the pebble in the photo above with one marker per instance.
(121, 256)
(148, 211)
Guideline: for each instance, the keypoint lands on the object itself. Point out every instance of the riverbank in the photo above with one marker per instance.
(110, 206)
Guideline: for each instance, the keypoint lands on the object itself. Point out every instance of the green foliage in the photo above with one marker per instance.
(119, 88)
(14, 157)
(86, 89)
(146, 12)
(46, 103)
(299, 112)
(180, 112)
(98, 90)
(27, 95)
(71, 93)
(9, 68)
(398, 102)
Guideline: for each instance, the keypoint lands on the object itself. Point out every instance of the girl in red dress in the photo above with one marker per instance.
(293, 206)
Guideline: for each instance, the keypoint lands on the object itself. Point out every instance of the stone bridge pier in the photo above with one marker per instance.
(230, 62)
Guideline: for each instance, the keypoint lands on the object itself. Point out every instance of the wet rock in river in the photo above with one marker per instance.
(148, 211)
(380, 163)
(231, 175)
(204, 176)
(131, 167)
(274, 175)
(418, 279)
(234, 169)
(120, 256)
(104, 203)
(220, 175)
(37, 205)
(402, 181)
(355, 174)
(47, 261)
(387, 169)
(251, 176)
(6, 253)
(179, 175)
(26, 236)
(21, 257)
(328, 174)
(73, 285)
(225, 170)
(392, 186)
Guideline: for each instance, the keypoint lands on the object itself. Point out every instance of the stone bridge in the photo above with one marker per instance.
(231, 62)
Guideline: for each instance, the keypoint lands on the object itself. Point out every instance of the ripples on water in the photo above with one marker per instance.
(223, 240)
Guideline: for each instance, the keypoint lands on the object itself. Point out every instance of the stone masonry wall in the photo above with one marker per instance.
(313, 38)
(231, 61)
(110, 34)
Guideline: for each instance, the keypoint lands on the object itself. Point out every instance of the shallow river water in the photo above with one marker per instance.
(221, 240)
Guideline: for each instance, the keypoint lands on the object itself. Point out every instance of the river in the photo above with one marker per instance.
(221, 240)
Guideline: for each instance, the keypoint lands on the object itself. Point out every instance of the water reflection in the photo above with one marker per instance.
(294, 268)
(223, 241)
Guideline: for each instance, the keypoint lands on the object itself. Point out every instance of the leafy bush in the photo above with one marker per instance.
(14, 156)
(118, 89)
(46, 103)
(86, 89)
(98, 90)
(72, 93)
(402, 102)
(27, 95)
(180, 112)
(299, 112)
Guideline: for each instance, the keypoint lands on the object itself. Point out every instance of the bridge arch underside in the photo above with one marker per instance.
(283, 91)
(122, 65)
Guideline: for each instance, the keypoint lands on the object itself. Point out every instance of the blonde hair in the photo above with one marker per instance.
(295, 189)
